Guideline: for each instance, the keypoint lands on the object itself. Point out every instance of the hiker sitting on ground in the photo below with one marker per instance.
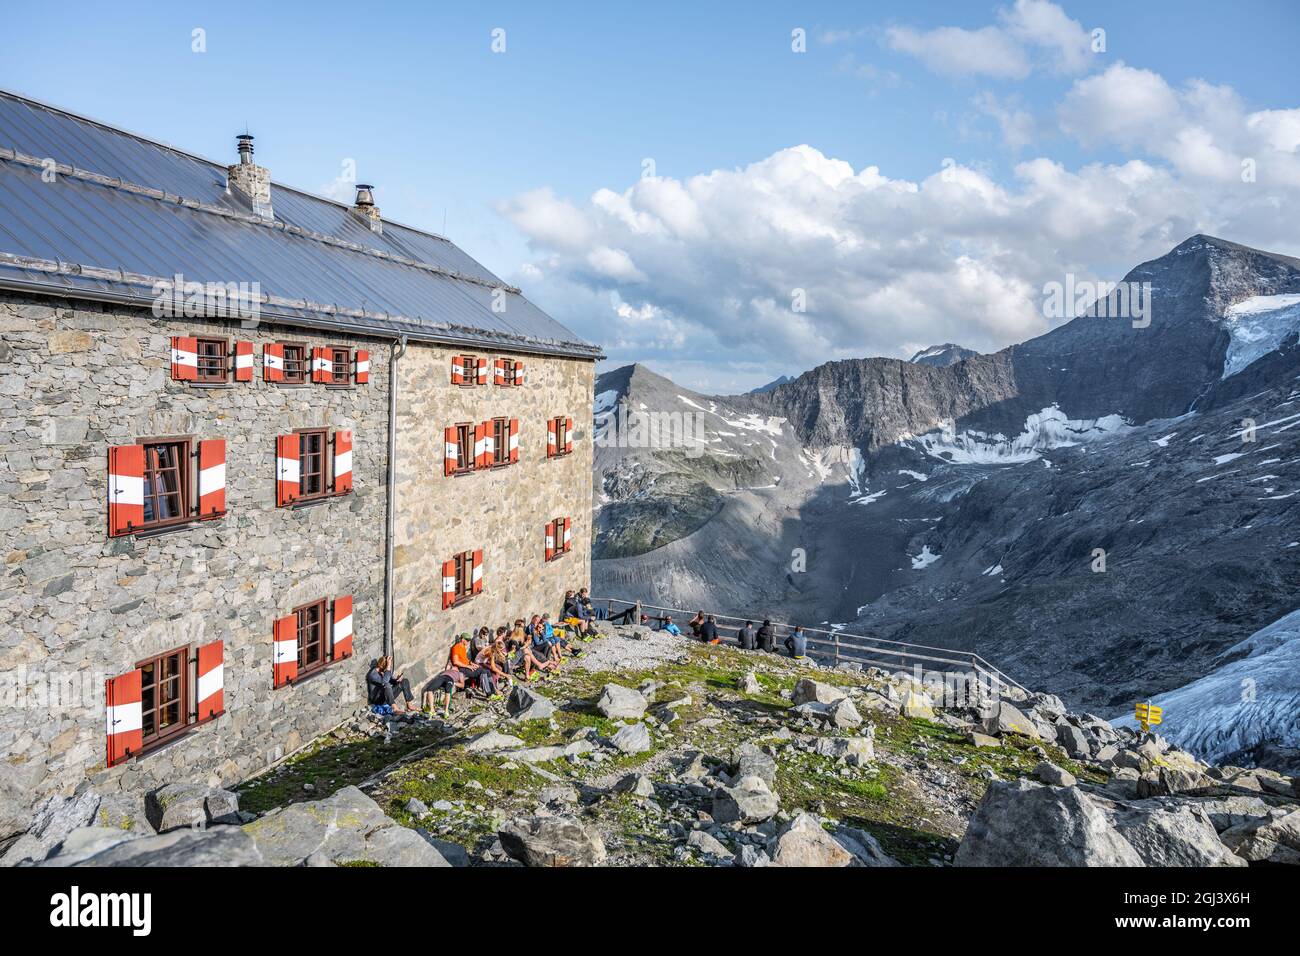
(709, 630)
(696, 623)
(383, 686)
(745, 637)
(766, 636)
(797, 644)
(546, 652)
(446, 683)
(524, 659)
(593, 613)
(555, 636)
(476, 678)
(493, 659)
(666, 624)
(482, 640)
(575, 615)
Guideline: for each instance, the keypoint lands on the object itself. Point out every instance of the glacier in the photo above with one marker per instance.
(1257, 326)
(1253, 699)
(1049, 428)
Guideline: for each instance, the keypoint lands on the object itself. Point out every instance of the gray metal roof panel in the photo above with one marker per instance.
(402, 281)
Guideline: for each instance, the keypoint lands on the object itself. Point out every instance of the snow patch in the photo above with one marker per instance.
(1049, 428)
(925, 558)
(913, 474)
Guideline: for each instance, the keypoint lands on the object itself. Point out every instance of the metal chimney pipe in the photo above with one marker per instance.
(245, 147)
(365, 195)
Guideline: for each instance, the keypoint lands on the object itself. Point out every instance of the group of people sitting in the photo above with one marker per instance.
(705, 628)
(488, 663)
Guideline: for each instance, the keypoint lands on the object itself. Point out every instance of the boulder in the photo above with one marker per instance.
(977, 739)
(856, 751)
(708, 845)
(865, 848)
(56, 817)
(637, 784)
(632, 739)
(1021, 823)
(1175, 836)
(345, 827)
(809, 690)
(1271, 839)
(812, 710)
(85, 842)
(492, 742)
(218, 846)
(1164, 781)
(749, 855)
(748, 801)
(1006, 719)
(750, 761)
(748, 684)
(552, 841)
(916, 704)
(524, 703)
(1049, 773)
(844, 714)
(803, 842)
(1073, 740)
(531, 755)
(618, 702)
(177, 805)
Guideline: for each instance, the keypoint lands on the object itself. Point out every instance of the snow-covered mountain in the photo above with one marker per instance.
(1105, 510)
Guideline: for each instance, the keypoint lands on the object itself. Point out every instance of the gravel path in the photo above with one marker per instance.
(623, 652)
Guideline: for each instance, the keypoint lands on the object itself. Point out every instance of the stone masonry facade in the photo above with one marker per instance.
(78, 607)
(503, 511)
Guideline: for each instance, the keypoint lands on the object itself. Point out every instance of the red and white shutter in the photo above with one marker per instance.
(185, 358)
(342, 627)
(125, 489)
(476, 577)
(320, 365)
(482, 371)
(550, 438)
(550, 540)
(363, 366)
(451, 451)
(243, 361)
(568, 538)
(489, 445)
(568, 435)
(480, 445)
(124, 725)
(343, 462)
(286, 469)
(519, 374)
(448, 584)
(498, 371)
(458, 370)
(514, 439)
(284, 650)
(211, 668)
(273, 363)
(212, 478)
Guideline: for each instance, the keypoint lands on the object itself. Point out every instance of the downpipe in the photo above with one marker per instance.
(398, 350)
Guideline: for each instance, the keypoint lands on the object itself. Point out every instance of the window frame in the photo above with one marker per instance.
(326, 472)
(508, 372)
(324, 625)
(558, 550)
(185, 472)
(464, 562)
(304, 363)
(223, 377)
(561, 435)
(470, 365)
(186, 722)
(501, 445)
(464, 448)
(332, 380)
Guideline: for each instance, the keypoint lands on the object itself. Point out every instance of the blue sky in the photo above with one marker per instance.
(508, 149)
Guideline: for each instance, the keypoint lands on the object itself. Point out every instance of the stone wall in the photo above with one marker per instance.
(77, 607)
(504, 511)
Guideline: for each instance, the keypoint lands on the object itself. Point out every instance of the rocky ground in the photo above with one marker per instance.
(655, 750)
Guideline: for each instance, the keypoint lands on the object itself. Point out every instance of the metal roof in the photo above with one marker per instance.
(122, 213)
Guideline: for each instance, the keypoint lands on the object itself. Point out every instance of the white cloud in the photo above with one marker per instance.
(1031, 33)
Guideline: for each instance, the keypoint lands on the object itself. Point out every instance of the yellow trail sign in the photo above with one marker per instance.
(1148, 714)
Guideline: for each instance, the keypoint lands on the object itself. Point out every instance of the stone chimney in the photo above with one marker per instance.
(250, 179)
(365, 208)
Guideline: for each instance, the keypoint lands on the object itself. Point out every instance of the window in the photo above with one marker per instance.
(464, 447)
(340, 371)
(164, 696)
(311, 637)
(558, 441)
(500, 441)
(213, 361)
(464, 573)
(295, 364)
(167, 492)
(313, 463)
(465, 370)
(559, 540)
